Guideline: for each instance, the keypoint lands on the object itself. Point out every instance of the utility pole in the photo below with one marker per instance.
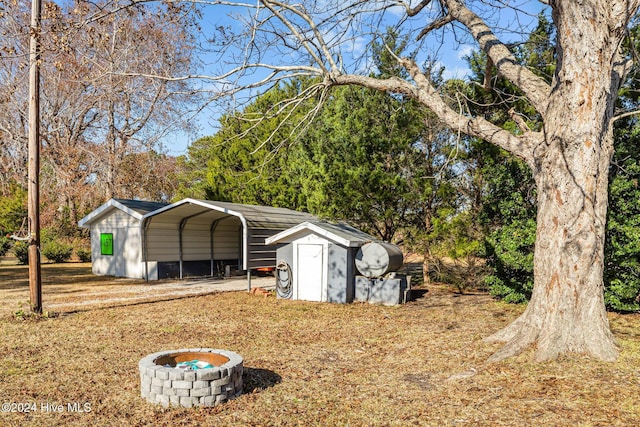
(35, 277)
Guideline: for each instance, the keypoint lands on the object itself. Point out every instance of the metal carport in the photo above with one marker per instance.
(193, 234)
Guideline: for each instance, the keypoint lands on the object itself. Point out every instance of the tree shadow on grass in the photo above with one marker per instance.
(255, 380)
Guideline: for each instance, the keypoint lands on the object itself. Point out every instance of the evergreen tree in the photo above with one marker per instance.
(13, 208)
(249, 160)
(384, 162)
(622, 245)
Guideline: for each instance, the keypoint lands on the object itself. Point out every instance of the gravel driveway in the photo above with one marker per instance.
(150, 292)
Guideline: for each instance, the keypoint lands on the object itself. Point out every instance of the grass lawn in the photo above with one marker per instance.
(307, 364)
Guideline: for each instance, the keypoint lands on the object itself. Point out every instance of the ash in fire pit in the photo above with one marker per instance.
(166, 380)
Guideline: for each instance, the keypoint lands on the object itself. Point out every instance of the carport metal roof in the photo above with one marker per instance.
(257, 221)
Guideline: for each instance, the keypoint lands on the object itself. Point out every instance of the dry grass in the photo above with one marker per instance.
(306, 364)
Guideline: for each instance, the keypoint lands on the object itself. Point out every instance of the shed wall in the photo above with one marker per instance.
(285, 253)
(126, 260)
(341, 278)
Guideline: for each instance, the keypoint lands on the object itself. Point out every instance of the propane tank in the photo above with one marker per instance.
(375, 259)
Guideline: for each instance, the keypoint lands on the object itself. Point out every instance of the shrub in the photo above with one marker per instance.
(48, 235)
(509, 252)
(5, 245)
(84, 254)
(622, 245)
(21, 251)
(456, 252)
(57, 251)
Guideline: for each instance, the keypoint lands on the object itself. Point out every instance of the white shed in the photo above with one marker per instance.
(316, 261)
(116, 237)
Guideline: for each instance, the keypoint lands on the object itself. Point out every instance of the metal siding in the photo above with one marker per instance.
(196, 243)
(262, 222)
(162, 242)
(226, 239)
(260, 254)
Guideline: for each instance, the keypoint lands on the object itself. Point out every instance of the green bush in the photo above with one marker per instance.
(5, 245)
(21, 251)
(13, 208)
(622, 246)
(49, 234)
(57, 251)
(510, 256)
(84, 254)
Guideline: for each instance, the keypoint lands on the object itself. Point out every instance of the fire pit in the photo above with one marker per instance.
(165, 380)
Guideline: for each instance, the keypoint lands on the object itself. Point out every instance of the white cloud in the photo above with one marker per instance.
(456, 72)
(464, 50)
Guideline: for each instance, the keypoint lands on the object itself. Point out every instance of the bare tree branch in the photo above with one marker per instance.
(535, 88)
(413, 11)
(435, 25)
(425, 93)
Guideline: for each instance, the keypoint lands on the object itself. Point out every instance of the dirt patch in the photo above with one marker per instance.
(72, 287)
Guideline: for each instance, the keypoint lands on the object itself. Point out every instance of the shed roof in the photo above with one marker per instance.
(141, 206)
(135, 208)
(340, 233)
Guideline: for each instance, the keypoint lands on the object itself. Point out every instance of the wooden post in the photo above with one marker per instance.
(35, 280)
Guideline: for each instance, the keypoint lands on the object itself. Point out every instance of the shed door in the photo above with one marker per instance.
(310, 276)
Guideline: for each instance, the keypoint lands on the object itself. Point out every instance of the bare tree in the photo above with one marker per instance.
(14, 72)
(108, 55)
(570, 157)
(97, 107)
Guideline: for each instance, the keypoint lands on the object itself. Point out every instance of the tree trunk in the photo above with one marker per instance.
(567, 312)
(426, 265)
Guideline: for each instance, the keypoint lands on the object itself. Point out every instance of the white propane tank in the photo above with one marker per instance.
(375, 259)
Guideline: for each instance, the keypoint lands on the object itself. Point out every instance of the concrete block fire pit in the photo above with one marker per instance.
(162, 382)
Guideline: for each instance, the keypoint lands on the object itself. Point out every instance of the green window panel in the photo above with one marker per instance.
(106, 244)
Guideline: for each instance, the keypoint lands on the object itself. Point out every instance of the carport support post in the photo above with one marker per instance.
(145, 253)
(180, 251)
(212, 230)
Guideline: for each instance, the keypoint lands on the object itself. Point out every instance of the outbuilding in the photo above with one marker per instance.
(316, 261)
(116, 237)
(139, 239)
(200, 237)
